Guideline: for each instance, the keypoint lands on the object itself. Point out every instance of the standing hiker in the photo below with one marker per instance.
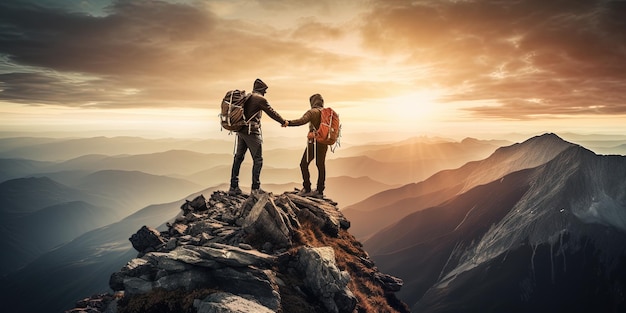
(250, 138)
(314, 150)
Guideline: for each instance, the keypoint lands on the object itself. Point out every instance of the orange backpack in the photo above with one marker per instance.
(330, 128)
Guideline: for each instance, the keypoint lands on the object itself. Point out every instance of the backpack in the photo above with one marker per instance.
(330, 127)
(232, 117)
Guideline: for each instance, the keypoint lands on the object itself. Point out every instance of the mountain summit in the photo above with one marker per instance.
(385, 208)
(257, 253)
(551, 238)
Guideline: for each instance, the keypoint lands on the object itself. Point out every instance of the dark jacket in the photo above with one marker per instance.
(258, 104)
(313, 116)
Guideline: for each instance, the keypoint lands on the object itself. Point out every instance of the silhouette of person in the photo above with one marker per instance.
(314, 149)
(250, 138)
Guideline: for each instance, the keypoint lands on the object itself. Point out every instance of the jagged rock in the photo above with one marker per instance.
(134, 268)
(330, 217)
(178, 229)
(95, 304)
(190, 279)
(367, 262)
(136, 285)
(171, 244)
(259, 284)
(197, 204)
(245, 246)
(268, 221)
(390, 283)
(241, 245)
(146, 238)
(233, 256)
(182, 268)
(325, 280)
(205, 226)
(224, 302)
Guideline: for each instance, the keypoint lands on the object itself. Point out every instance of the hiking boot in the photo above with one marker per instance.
(316, 194)
(257, 192)
(304, 192)
(234, 191)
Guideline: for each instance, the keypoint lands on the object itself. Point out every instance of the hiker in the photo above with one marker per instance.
(250, 138)
(313, 150)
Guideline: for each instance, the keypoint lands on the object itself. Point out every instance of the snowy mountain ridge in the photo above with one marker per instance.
(576, 188)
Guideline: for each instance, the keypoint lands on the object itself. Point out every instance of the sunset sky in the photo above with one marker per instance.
(431, 67)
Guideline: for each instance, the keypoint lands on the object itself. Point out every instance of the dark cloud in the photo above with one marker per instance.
(131, 39)
(529, 57)
(570, 54)
(172, 53)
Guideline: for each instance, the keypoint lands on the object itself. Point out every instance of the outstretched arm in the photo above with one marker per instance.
(301, 121)
(265, 106)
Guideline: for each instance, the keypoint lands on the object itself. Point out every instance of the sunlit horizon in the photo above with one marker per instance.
(430, 68)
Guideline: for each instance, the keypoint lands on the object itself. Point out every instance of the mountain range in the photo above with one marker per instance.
(434, 212)
(540, 228)
(384, 208)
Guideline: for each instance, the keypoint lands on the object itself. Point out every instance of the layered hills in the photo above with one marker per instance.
(473, 227)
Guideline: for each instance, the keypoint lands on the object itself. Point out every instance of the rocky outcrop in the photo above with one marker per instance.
(262, 253)
(324, 279)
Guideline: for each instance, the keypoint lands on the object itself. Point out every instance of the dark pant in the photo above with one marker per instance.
(252, 142)
(318, 151)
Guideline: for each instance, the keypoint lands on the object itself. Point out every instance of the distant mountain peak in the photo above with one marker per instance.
(533, 226)
(543, 140)
(574, 201)
(282, 253)
(531, 153)
(547, 137)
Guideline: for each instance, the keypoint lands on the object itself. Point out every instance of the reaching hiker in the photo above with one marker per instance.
(314, 149)
(250, 138)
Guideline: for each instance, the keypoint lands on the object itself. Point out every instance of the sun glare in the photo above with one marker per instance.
(415, 106)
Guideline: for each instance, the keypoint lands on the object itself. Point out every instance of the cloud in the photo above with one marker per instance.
(171, 53)
(569, 54)
(509, 59)
(311, 29)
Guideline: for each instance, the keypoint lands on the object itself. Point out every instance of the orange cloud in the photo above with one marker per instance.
(530, 58)
(567, 53)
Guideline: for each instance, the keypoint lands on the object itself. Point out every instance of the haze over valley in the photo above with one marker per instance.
(76, 214)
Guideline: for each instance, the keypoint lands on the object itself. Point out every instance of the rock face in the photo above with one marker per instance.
(262, 253)
(325, 280)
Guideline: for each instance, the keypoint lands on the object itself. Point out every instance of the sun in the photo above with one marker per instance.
(415, 106)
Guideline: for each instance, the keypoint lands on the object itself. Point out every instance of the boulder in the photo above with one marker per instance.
(146, 239)
(250, 282)
(266, 220)
(329, 217)
(324, 280)
(233, 256)
(224, 302)
(134, 268)
(197, 204)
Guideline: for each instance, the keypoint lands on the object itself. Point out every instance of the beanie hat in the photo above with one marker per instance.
(316, 100)
(259, 85)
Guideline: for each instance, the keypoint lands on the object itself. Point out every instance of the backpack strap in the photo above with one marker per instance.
(247, 120)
